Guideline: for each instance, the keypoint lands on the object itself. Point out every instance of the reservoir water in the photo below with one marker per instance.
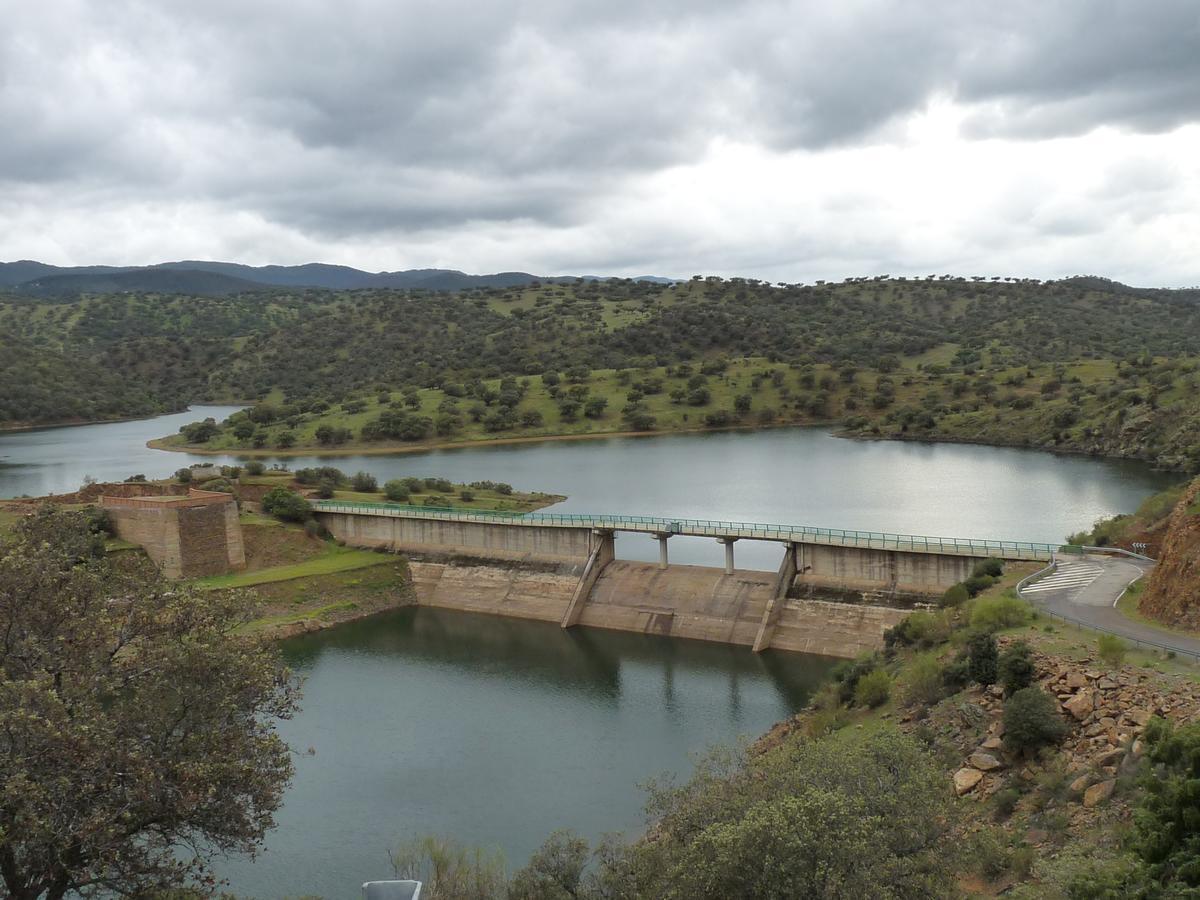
(496, 732)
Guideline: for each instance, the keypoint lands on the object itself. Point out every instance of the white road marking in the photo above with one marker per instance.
(1072, 575)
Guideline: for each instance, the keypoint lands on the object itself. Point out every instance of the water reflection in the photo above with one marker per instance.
(497, 732)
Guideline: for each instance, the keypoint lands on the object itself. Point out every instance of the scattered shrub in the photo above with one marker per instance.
(955, 595)
(396, 490)
(990, 568)
(956, 674)
(325, 489)
(1031, 720)
(466, 495)
(219, 484)
(923, 682)
(255, 467)
(1005, 802)
(183, 476)
(994, 613)
(1015, 667)
(977, 584)
(1111, 649)
(364, 483)
(982, 658)
(284, 503)
(847, 674)
(920, 629)
(873, 689)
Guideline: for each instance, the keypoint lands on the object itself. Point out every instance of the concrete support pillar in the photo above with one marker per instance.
(728, 542)
(662, 548)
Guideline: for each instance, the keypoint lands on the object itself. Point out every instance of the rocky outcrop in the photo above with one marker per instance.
(1173, 593)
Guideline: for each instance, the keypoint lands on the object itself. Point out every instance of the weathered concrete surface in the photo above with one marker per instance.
(449, 537)
(857, 568)
(832, 629)
(520, 593)
(603, 553)
(682, 601)
(185, 536)
(784, 579)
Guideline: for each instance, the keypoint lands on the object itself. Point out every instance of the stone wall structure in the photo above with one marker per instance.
(186, 536)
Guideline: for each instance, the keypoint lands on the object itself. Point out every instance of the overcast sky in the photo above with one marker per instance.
(783, 140)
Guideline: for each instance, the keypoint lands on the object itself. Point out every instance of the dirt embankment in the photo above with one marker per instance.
(1173, 593)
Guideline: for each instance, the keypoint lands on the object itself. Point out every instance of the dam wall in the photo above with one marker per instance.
(695, 602)
(465, 538)
(682, 601)
(863, 568)
(562, 569)
(513, 591)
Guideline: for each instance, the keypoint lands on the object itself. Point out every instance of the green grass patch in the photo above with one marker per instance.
(336, 559)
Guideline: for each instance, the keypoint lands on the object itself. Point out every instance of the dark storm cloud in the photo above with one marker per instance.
(367, 116)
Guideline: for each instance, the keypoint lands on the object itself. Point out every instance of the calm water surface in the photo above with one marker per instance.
(497, 732)
(791, 475)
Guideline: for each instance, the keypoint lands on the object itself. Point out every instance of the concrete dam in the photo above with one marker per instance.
(563, 568)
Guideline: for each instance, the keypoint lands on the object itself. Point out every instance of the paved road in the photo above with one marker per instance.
(1087, 588)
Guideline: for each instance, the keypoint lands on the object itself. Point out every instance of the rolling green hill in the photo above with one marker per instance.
(1079, 364)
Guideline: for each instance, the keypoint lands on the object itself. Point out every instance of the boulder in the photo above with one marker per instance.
(1076, 679)
(1098, 793)
(965, 780)
(1080, 706)
(1080, 784)
(985, 762)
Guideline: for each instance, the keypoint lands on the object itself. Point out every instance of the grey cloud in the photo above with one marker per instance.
(366, 116)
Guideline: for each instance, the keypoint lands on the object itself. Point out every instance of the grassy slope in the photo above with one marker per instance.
(334, 559)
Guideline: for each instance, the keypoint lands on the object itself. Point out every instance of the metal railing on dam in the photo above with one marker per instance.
(874, 540)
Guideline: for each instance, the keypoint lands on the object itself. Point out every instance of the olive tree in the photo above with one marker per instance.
(136, 726)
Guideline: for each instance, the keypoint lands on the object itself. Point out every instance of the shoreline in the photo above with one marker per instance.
(836, 429)
(394, 449)
(9, 428)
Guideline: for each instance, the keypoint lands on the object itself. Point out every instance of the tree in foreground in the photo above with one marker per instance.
(136, 728)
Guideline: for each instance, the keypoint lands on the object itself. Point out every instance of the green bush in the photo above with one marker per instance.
(994, 613)
(977, 584)
(923, 682)
(1111, 649)
(990, 568)
(955, 595)
(1015, 667)
(982, 658)
(466, 496)
(255, 467)
(873, 689)
(364, 483)
(325, 489)
(183, 476)
(285, 504)
(1005, 802)
(846, 674)
(956, 674)
(919, 629)
(396, 491)
(1031, 720)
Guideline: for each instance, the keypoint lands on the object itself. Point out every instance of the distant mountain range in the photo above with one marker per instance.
(217, 279)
